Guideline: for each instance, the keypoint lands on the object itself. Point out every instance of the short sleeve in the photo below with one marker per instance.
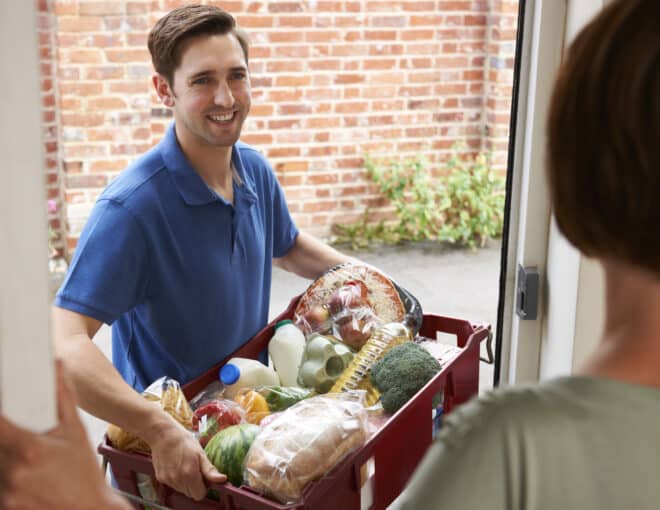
(108, 274)
(285, 231)
(466, 467)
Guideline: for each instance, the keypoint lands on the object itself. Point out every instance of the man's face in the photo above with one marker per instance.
(211, 91)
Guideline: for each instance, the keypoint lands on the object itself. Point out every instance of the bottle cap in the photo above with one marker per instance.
(230, 373)
(282, 323)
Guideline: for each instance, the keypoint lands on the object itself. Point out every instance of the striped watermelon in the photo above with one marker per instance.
(227, 449)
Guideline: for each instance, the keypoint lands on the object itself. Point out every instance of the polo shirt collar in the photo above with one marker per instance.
(191, 186)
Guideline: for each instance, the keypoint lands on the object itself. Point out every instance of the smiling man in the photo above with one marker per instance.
(178, 251)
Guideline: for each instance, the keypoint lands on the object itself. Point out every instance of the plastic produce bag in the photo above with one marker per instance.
(167, 394)
(351, 300)
(304, 443)
(280, 398)
(214, 416)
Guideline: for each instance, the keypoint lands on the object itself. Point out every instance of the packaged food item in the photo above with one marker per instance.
(303, 444)
(323, 362)
(356, 376)
(345, 287)
(214, 391)
(241, 373)
(166, 393)
(286, 350)
(214, 416)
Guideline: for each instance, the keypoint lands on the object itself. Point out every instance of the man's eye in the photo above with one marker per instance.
(239, 75)
(200, 81)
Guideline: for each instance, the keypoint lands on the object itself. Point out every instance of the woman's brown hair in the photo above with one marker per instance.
(167, 37)
(604, 136)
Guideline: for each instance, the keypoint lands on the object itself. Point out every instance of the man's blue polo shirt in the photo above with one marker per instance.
(182, 275)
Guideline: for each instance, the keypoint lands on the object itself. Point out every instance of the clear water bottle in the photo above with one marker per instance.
(286, 350)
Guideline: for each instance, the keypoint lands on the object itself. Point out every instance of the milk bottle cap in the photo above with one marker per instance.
(283, 322)
(230, 373)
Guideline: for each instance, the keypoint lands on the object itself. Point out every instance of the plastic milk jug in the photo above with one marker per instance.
(286, 350)
(241, 373)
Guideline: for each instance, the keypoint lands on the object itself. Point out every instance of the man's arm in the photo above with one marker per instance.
(310, 258)
(178, 459)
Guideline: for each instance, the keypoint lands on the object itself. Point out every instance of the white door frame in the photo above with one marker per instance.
(27, 392)
(571, 295)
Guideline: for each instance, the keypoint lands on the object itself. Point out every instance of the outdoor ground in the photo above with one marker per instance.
(451, 282)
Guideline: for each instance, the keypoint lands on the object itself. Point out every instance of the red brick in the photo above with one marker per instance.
(323, 36)
(81, 88)
(80, 24)
(286, 37)
(127, 55)
(285, 66)
(86, 181)
(282, 152)
(285, 7)
(295, 21)
(82, 119)
(292, 166)
(299, 51)
(81, 56)
(108, 165)
(101, 8)
(108, 72)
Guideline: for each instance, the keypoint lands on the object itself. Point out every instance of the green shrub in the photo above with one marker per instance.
(465, 206)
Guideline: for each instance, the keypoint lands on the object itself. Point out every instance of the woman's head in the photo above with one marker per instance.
(604, 136)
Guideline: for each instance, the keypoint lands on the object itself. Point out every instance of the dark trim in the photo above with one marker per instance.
(509, 185)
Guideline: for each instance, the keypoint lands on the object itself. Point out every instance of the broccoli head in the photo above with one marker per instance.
(401, 373)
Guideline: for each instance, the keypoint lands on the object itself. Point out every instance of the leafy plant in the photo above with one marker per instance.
(472, 201)
(465, 206)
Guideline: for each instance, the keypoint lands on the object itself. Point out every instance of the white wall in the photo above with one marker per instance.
(26, 369)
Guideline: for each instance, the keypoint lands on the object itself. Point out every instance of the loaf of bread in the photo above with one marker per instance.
(303, 444)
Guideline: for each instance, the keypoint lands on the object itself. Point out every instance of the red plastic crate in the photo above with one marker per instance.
(393, 452)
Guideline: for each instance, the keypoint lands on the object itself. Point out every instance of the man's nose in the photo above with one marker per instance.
(223, 96)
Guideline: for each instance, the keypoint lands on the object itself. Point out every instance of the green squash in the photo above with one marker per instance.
(227, 449)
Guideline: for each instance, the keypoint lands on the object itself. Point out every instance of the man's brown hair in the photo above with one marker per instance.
(169, 34)
(604, 136)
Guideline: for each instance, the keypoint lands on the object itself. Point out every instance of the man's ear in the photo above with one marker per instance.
(163, 89)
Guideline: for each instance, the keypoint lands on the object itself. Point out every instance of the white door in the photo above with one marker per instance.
(570, 300)
(26, 368)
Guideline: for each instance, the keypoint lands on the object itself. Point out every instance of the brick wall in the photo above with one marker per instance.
(332, 80)
(49, 100)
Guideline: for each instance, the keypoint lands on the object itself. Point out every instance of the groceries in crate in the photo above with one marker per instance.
(356, 376)
(401, 373)
(303, 444)
(167, 394)
(286, 350)
(324, 360)
(240, 373)
(228, 448)
(255, 405)
(213, 416)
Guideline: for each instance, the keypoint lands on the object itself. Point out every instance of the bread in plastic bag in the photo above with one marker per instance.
(167, 394)
(304, 443)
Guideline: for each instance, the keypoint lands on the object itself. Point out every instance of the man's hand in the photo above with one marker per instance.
(57, 470)
(180, 462)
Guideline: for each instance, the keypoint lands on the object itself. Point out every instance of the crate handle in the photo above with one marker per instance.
(489, 349)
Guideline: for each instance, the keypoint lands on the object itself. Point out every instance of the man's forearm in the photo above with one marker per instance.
(310, 258)
(102, 391)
